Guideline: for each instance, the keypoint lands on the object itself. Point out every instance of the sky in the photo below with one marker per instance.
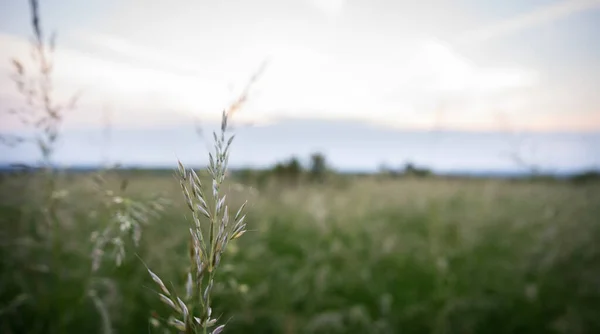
(517, 66)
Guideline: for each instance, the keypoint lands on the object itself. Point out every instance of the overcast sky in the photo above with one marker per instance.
(454, 64)
(432, 64)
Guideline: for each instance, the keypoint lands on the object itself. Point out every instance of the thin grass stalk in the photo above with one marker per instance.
(193, 314)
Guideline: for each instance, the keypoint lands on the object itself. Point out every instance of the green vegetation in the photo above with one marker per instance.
(376, 256)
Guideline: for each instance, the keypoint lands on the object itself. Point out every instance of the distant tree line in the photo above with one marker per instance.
(290, 171)
(409, 170)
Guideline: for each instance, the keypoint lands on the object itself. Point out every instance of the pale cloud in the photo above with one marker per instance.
(439, 69)
(402, 83)
(331, 8)
(148, 55)
(545, 14)
(300, 82)
(139, 93)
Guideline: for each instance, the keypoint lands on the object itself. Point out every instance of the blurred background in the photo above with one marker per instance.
(428, 167)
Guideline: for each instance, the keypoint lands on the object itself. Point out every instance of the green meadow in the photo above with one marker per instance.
(361, 254)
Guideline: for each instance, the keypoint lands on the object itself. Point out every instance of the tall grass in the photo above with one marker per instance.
(401, 255)
(42, 228)
(211, 232)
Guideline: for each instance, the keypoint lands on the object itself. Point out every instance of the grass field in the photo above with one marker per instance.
(367, 255)
(326, 253)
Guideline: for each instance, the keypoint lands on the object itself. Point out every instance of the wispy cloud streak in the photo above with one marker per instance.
(522, 22)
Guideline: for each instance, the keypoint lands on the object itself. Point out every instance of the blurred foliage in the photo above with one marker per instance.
(413, 255)
(586, 177)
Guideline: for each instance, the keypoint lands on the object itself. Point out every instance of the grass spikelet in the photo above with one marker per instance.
(208, 245)
(159, 282)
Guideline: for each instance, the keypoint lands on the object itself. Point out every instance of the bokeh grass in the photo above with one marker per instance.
(368, 255)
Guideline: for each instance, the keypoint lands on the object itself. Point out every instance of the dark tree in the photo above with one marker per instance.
(318, 167)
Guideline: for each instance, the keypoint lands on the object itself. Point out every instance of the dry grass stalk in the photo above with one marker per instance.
(212, 230)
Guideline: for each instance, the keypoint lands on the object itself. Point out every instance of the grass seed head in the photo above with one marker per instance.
(218, 329)
(159, 282)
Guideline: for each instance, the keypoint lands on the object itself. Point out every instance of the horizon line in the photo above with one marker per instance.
(4, 166)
